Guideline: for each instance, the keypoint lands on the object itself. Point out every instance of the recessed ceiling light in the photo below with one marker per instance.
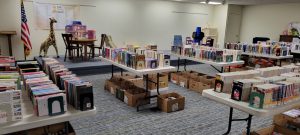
(211, 2)
(214, 3)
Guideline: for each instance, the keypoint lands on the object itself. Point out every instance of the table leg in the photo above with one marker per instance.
(184, 64)
(112, 71)
(249, 124)
(67, 128)
(78, 50)
(178, 64)
(9, 45)
(280, 62)
(121, 71)
(85, 52)
(230, 121)
(249, 119)
(157, 84)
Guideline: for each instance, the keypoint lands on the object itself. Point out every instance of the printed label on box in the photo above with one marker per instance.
(88, 105)
(173, 81)
(182, 84)
(112, 90)
(126, 99)
(3, 117)
(175, 107)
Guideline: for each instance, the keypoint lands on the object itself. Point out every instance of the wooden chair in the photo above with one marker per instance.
(70, 47)
(93, 47)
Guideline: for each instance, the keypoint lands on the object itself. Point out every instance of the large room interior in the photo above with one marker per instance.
(141, 67)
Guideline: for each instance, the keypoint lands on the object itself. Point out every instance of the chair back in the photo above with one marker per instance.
(103, 36)
(67, 39)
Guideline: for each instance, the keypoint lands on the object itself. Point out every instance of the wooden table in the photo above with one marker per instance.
(84, 43)
(9, 34)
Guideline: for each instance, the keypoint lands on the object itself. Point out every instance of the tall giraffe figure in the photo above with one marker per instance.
(50, 40)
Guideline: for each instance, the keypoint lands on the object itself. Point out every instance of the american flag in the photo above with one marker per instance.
(25, 34)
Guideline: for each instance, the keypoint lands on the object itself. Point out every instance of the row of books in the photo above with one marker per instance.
(259, 87)
(140, 59)
(79, 93)
(207, 53)
(226, 79)
(10, 97)
(46, 97)
(274, 49)
(7, 63)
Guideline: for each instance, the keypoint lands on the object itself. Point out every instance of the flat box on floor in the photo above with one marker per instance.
(170, 102)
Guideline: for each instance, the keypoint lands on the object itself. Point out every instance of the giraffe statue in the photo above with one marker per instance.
(50, 40)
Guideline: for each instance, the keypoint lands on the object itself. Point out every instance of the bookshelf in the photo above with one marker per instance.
(213, 64)
(224, 98)
(144, 72)
(30, 120)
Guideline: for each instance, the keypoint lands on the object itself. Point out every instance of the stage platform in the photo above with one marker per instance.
(96, 66)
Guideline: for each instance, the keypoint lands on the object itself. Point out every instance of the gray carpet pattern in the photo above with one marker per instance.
(201, 116)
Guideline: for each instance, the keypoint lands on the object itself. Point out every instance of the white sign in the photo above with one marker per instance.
(64, 14)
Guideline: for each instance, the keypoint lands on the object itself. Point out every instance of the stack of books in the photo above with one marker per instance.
(262, 88)
(10, 97)
(270, 95)
(137, 58)
(79, 93)
(46, 97)
(7, 63)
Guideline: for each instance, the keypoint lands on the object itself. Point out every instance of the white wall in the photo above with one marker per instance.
(234, 20)
(267, 20)
(220, 22)
(126, 20)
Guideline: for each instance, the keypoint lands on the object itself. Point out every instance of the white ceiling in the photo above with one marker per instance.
(244, 2)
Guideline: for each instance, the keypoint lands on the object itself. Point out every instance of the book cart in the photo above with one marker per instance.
(225, 99)
(211, 63)
(144, 72)
(277, 58)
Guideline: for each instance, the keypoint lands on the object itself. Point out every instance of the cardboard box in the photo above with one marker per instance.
(210, 80)
(273, 128)
(135, 99)
(163, 81)
(174, 77)
(120, 94)
(197, 85)
(198, 75)
(170, 102)
(138, 81)
(183, 81)
(111, 86)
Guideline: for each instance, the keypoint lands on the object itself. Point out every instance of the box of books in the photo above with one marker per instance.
(265, 96)
(170, 102)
